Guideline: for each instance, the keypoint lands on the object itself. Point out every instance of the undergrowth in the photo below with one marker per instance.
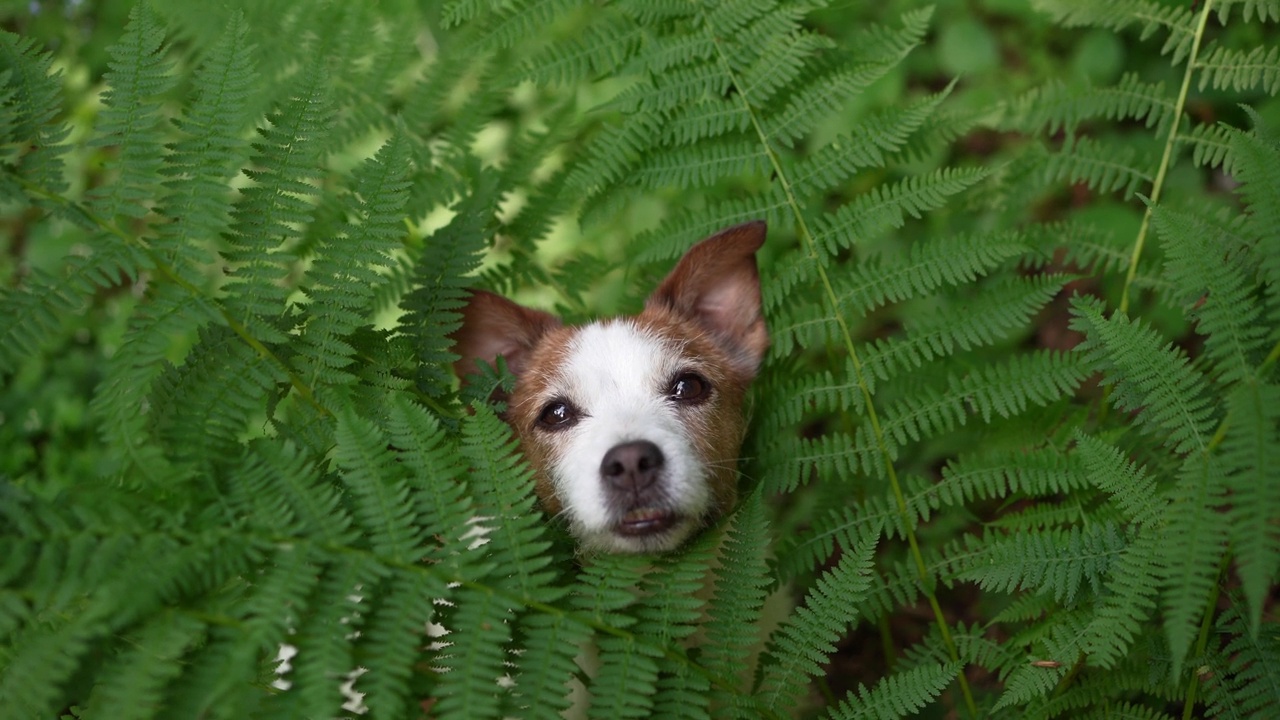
(1014, 448)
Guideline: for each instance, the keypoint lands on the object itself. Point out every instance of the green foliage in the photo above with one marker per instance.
(1013, 451)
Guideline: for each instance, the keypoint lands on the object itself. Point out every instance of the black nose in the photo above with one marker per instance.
(631, 466)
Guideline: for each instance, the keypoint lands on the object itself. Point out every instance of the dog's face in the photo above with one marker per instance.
(633, 424)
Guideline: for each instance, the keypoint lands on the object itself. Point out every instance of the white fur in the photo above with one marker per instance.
(618, 376)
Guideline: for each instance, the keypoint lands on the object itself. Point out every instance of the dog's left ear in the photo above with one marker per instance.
(716, 284)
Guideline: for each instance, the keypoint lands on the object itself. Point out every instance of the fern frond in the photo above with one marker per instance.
(702, 165)
(878, 280)
(377, 488)
(739, 595)
(1194, 542)
(1101, 165)
(887, 207)
(212, 148)
(1246, 678)
(30, 104)
(394, 630)
(1132, 489)
(897, 695)
(135, 682)
(131, 119)
(480, 629)
(1251, 459)
(1176, 21)
(202, 407)
(271, 212)
(517, 541)
(1266, 10)
(1032, 379)
(1210, 145)
(1210, 269)
(800, 646)
(1239, 70)
(1055, 562)
(670, 612)
(867, 144)
(431, 309)
(435, 470)
(823, 94)
(1256, 164)
(1148, 376)
(548, 643)
(122, 396)
(343, 283)
(999, 473)
(1126, 608)
(325, 642)
(627, 672)
(1058, 106)
(992, 316)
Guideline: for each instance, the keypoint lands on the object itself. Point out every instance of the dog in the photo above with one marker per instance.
(633, 425)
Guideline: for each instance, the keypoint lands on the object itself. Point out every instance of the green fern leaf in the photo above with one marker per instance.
(211, 150)
(1007, 390)
(739, 596)
(1148, 376)
(887, 207)
(134, 685)
(431, 310)
(1210, 145)
(868, 144)
(990, 317)
(1251, 459)
(131, 118)
(517, 541)
(1060, 107)
(1055, 562)
(343, 283)
(1256, 162)
(1246, 681)
(879, 280)
(1126, 608)
(393, 631)
(30, 103)
(897, 695)
(807, 638)
(378, 489)
(624, 681)
(1132, 489)
(1102, 165)
(436, 472)
(1194, 543)
(1240, 70)
(276, 206)
(1176, 21)
(1209, 267)
(325, 642)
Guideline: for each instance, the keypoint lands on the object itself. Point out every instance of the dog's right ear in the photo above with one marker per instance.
(494, 326)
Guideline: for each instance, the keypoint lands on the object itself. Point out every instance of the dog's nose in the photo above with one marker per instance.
(631, 466)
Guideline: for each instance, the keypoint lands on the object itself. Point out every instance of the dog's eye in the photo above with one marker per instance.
(557, 415)
(689, 388)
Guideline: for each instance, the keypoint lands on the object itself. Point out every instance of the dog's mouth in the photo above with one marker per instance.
(647, 521)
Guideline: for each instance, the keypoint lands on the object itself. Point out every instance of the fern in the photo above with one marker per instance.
(1011, 452)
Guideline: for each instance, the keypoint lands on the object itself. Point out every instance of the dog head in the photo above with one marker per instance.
(633, 424)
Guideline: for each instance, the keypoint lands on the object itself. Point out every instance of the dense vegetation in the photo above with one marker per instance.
(1015, 450)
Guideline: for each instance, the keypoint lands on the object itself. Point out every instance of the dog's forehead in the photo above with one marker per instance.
(617, 358)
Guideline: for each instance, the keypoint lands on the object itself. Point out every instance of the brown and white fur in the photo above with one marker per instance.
(633, 424)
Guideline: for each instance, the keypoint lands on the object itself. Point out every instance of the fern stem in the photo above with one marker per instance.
(847, 337)
(1202, 642)
(1158, 184)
